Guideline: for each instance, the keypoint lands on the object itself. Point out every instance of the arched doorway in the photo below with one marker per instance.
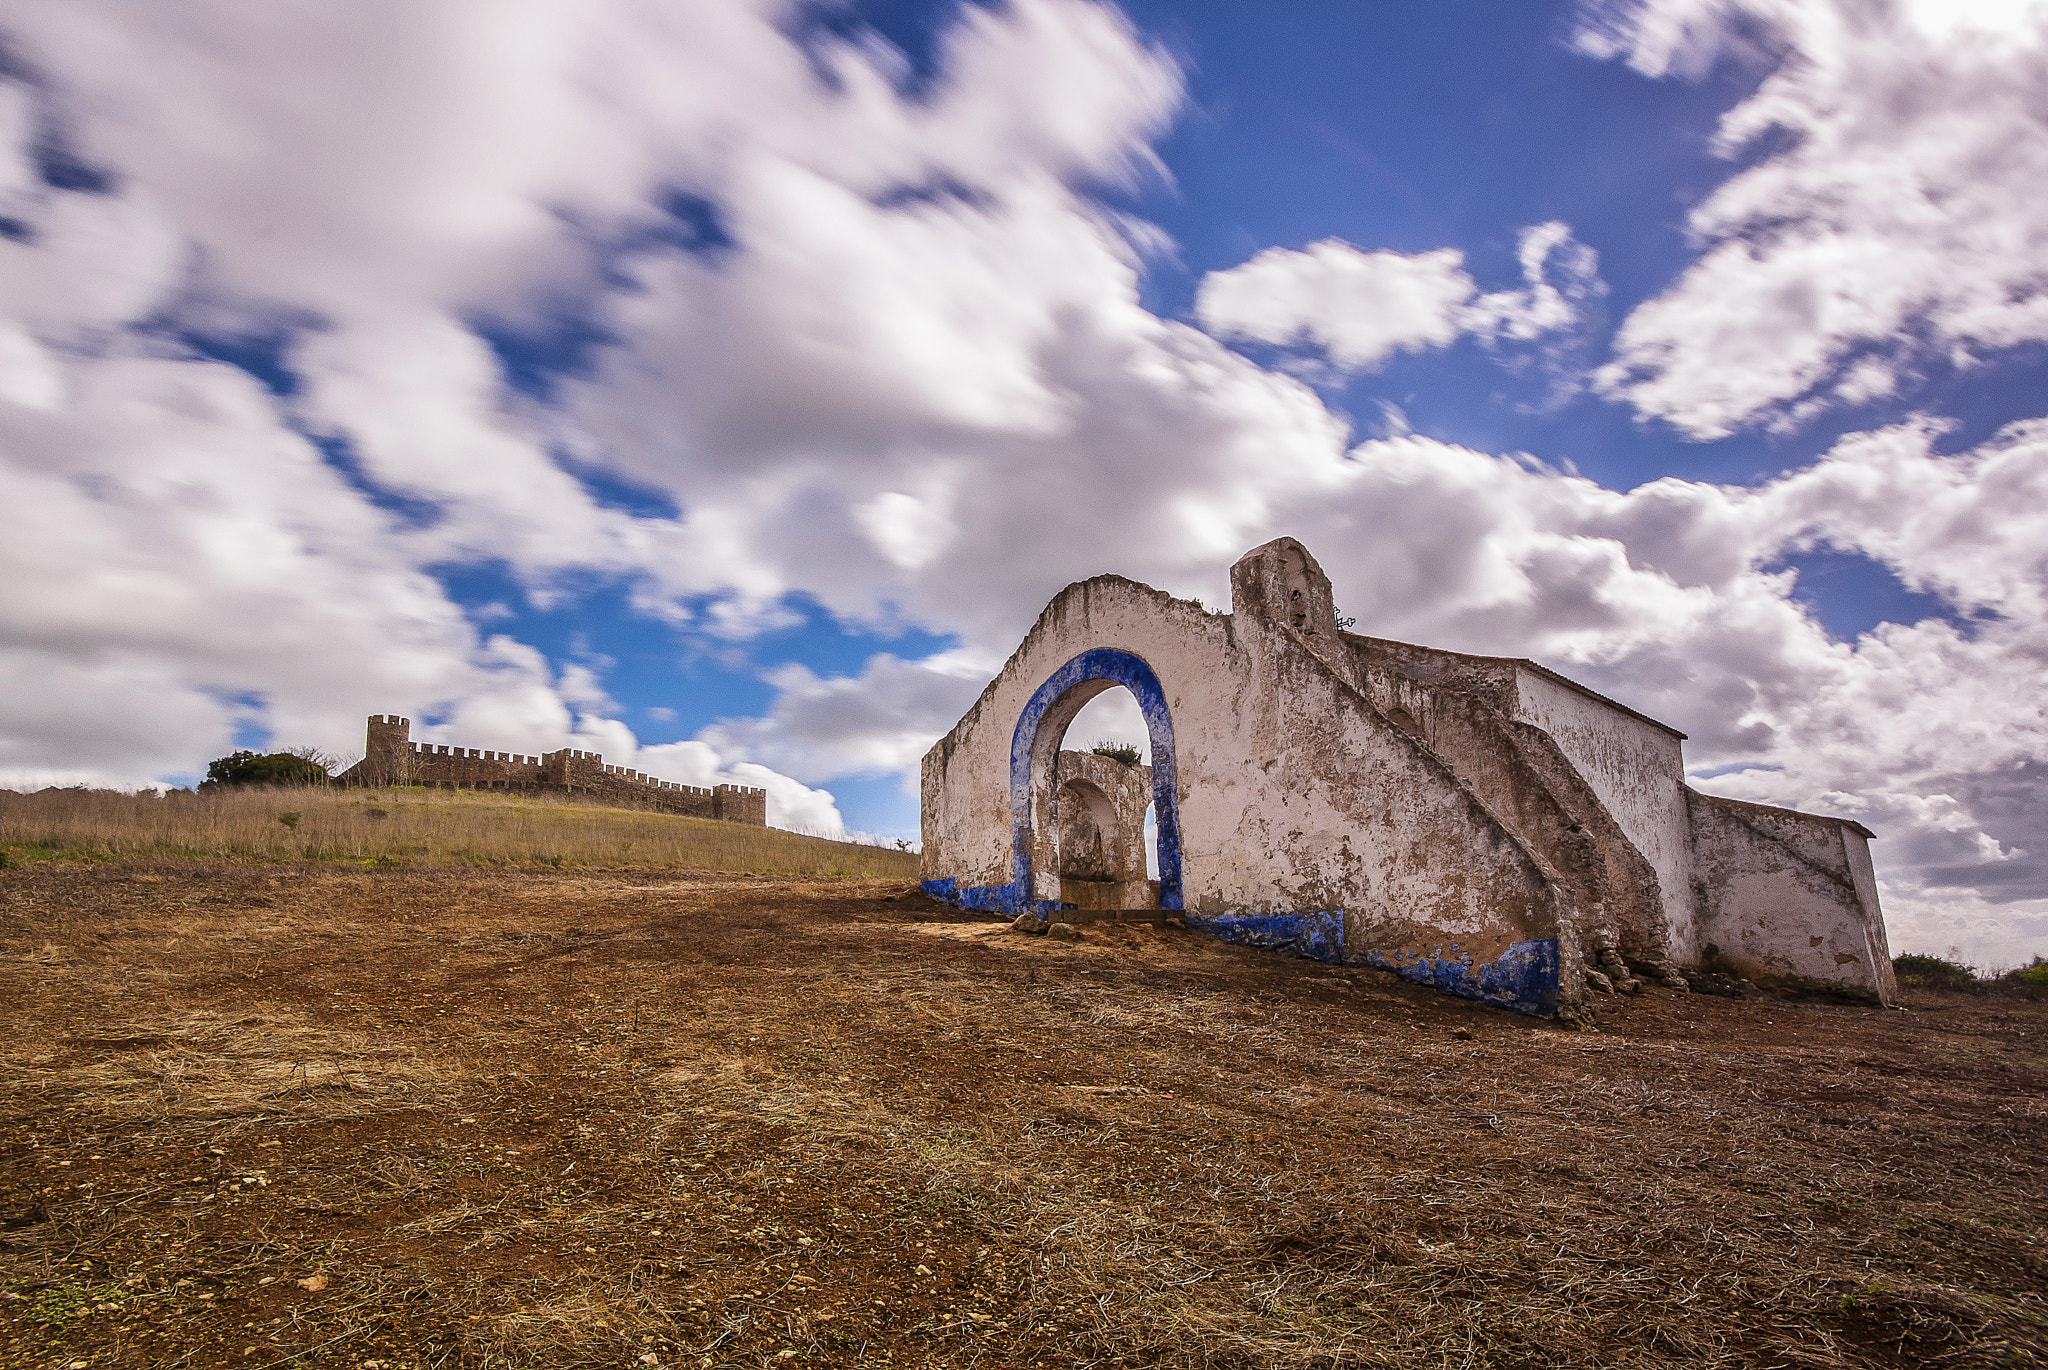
(1090, 833)
(1034, 756)
(1096, 810)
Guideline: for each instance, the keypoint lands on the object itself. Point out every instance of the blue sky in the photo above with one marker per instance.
(725, 387)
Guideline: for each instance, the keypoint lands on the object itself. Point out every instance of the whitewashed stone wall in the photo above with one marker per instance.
(1788, 898)
(1636, 766)
(1475, 823)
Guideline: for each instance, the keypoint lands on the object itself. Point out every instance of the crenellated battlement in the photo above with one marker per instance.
(391, 757)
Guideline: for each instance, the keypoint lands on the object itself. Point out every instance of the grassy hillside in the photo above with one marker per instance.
(403, 825)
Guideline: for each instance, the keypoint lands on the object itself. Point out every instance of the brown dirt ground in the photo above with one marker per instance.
(279, 1116)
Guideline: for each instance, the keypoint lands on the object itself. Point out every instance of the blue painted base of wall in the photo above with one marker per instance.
(1009, 899)
(1524, 978)
(1319, 936)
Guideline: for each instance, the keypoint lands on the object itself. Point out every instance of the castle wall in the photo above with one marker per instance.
(390, 757)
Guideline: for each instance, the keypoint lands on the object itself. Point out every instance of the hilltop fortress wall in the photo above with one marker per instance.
(391, 757)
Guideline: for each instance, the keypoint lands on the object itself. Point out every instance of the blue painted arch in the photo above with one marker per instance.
(1059, 698)
(1033, 747)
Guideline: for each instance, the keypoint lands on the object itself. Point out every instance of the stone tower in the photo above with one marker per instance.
(387, 751)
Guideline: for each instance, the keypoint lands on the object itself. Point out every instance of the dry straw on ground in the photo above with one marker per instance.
(449, 1119)
(439, 827)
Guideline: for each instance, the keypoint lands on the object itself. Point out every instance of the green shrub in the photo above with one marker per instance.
(1118, 751)
(1916, 970)
(2033, 973)
(275, 768)
(2030, 979)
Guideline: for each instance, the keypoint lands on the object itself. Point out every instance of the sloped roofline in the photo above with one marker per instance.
(1779, 808)
(1540, 669)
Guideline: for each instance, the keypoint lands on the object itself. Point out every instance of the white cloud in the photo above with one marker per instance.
(1542, 306)
(877, 723)
(1359, 308)
(1889, 217)
(181, 560)
(907, 529)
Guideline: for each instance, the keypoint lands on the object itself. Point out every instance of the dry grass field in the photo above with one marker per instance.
(316, 1114)
(410, 825)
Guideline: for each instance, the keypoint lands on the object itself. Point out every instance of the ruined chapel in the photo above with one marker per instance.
(1481, 824)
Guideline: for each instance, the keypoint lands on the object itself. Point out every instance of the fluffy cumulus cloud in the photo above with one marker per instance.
(1359, 308)
(190, 553)
(1888, 216)
(879, 722)
(824, 292)
(880, 343)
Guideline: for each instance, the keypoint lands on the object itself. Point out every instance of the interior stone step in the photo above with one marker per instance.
(1078, 916)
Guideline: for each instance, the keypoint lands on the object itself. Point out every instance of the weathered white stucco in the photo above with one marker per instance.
(1637, 768)
(1788, 897)
(1474, 822)
(1467, 709)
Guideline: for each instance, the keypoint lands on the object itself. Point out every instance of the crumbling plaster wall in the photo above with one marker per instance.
(1629, 768)
(1620, 776)
(1789, 897)
(1294, 795)
(1478, 823)
(1462, 707)
(1637, 768)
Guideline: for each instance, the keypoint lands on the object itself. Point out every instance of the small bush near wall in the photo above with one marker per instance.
(1918, 971)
